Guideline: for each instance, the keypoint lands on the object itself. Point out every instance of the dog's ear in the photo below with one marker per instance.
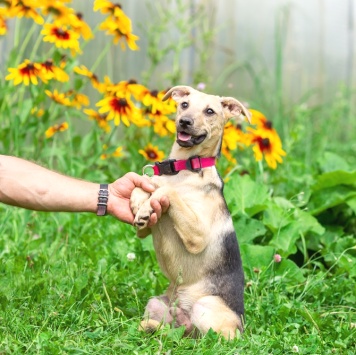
(234, 108)
(177, 92)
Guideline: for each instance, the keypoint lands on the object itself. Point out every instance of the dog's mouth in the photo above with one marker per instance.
(185, 139)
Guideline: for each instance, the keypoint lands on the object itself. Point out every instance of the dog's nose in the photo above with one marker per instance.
(185, 121)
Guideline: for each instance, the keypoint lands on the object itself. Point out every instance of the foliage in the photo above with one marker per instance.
(76, 284)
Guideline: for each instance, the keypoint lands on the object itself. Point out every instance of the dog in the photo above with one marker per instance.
(195, 241)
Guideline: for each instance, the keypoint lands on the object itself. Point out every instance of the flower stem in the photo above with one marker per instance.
(26, 40)
(261, 170)
(100, 57)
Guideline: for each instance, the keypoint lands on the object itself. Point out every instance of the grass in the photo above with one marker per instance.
(67, 287)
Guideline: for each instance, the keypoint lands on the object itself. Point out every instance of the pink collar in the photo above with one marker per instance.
(173, 166)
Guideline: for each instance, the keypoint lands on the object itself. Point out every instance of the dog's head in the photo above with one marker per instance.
(201, 117)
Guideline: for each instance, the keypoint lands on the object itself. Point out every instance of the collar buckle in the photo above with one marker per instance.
(189, 164)
(166, 167)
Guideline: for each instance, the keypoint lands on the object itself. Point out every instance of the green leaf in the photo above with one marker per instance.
(81, 282)
(334, 178)
(276, 217)
(247, 229)
(256, 256)
(289, 271)
(245, 196)
(324, 199)
(285, 239)
(331, 162)
(351, 202)
(26, 107)
(307, 222)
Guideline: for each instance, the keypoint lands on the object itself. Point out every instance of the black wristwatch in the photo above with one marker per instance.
(103, 197)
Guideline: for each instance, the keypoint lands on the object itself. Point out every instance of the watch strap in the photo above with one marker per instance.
(103, 197)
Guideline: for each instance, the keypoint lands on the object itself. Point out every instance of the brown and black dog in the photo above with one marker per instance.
(195, 241)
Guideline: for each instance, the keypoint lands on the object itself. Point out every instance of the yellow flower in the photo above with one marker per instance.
(140, 121)
(266, 144)
(51, 71)
(257, 118)
(225, 151)
(3, 26)
(234, 136)
(153, 100)
(119, 108)
(37, 112)
(26, 8)
(130, 40)
(26, 72)
(84, 71)
(80, 26)
(117, 20)
(119, 26)
(51, 131)
(105, 6)
(162, 124)
(61, 37)
(100, 119)
(60, 98)
(116, 154)
(57, 9)
(130, 87)
(260, 120)
(152, 153)
(78, 99)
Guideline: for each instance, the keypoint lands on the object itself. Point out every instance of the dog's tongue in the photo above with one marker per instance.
(182, 136)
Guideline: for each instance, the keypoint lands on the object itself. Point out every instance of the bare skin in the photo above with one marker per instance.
(28, 185)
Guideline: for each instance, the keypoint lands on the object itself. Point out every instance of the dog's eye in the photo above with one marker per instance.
(210, 111)
(184, 105)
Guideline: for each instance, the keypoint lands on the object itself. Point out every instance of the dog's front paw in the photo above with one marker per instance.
(138, 198)
(143, 215)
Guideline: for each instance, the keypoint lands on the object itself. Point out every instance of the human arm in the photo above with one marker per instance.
(28, 185)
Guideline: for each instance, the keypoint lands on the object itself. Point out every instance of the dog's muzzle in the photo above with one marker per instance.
(185, 135)
(186, 140)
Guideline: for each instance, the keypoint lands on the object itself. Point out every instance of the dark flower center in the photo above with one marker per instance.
(268, 124)
(48, 64)
(119, 105)
(122, 102)
(151, 154)
(264, 144)
(55, 11)
(154, 93)
(28, 70)
(61, 34)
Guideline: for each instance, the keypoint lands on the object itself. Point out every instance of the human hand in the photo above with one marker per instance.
(119, 198)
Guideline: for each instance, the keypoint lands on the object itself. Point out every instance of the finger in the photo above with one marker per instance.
(156, 207)
(164, 201)
(141, 181)
(153, 220)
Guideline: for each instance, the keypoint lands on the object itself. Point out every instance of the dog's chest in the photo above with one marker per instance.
(176, 262)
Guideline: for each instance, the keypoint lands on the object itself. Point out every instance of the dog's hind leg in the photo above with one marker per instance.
(211, 312)
(156, 314)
